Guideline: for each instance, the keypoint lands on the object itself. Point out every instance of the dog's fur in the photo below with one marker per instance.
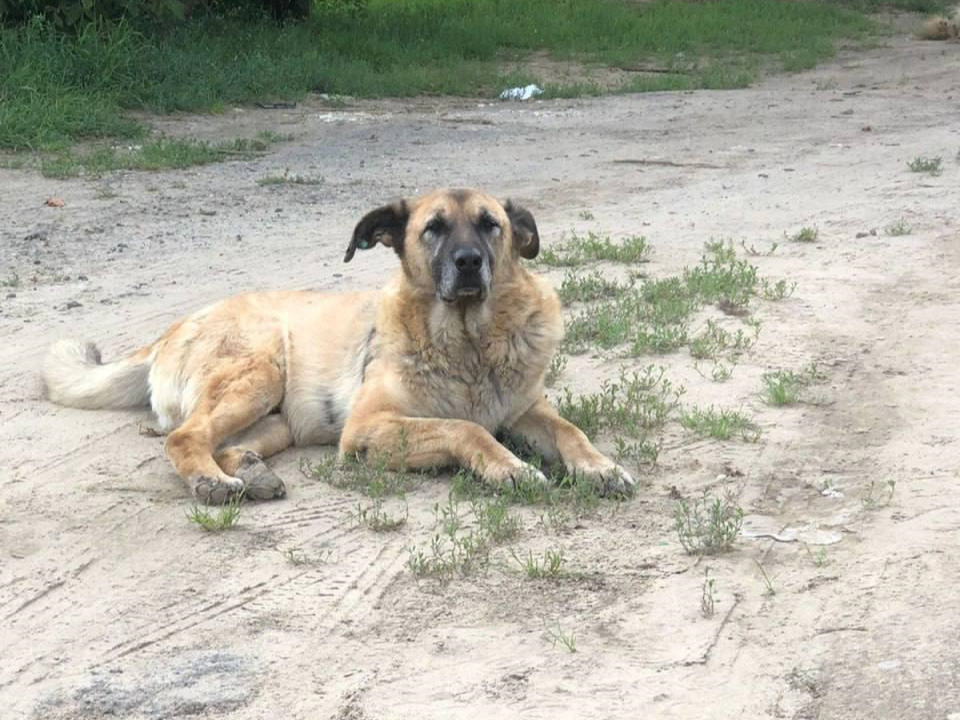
(423, 372)
(941, 28)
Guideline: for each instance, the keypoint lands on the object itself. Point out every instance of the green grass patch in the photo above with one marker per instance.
(464, 539)
(375, 517)
(927, 165)
(590, 287)
(593, 247)
(549, 566)
(898, 229)
(370, 476)
(805, 235)
(222, 518)
(654, 316)
(708, 525)
(561, 638)
(719, 423)
(785, 387)
(715, 341)
(288, 179)
(557, 366)
(57, 89)
(162, 153)
(634, 404)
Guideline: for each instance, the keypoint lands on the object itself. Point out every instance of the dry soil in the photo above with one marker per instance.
(113, 605)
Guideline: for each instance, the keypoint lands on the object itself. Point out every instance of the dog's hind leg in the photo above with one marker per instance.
(243, 454)
(231, 399)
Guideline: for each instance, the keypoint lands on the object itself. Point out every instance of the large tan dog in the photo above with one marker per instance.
(423, 372)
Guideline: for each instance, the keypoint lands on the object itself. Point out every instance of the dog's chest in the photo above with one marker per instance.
(488, 383)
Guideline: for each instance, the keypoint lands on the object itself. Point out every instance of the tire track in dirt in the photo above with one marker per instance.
(52, 462)
(303, 516)
(168, 620)
(348, 593)
(29, 604)
(180, 616)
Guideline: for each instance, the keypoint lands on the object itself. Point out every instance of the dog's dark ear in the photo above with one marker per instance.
(526, 239)
(386, 225)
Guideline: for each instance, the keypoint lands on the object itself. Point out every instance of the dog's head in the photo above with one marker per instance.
(455, 243)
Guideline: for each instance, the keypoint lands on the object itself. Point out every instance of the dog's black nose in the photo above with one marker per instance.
(468, 259)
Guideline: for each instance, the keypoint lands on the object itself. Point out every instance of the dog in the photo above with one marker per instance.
(941, 28)
(422, 372)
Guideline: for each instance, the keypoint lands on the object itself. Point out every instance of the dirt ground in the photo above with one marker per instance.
(113, 605)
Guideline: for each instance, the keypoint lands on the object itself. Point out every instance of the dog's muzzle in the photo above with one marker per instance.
(465, 275)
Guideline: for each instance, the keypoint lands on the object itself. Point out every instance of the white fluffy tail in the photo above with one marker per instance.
(74, 376)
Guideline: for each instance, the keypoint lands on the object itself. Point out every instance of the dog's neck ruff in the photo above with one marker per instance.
(452, 323)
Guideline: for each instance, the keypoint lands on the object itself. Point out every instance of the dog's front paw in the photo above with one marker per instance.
(216, 491)
(513, 474)
(608, 477)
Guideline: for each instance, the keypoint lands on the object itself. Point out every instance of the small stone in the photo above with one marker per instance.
(73, 304)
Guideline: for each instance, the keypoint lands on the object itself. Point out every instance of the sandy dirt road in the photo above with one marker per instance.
(113, 605)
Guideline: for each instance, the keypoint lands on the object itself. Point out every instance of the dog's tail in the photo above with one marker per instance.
(74, 376)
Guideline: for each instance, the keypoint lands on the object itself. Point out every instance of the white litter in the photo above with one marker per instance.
(521, 93)
(763, 527)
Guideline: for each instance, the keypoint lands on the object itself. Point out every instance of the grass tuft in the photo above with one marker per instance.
(715, 341)
(375, 518)
(708, 597)
(463, 541)
(370, 477)
(160, 154)
(558, 636)
(898, 229)
(588, 288)
(708, 525)
(785, 387)
(592, 247)
(928, 165)
(288, 179)
(549, 566)
(805, 235)
(719, 423)
(639, 401)
(878, 495)
(557, 365)
(223, 518)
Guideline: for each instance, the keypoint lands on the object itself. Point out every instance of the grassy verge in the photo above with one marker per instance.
(55, 89)
(156, 154)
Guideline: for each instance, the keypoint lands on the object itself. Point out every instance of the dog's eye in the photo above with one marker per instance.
(488, 224)
(435, 226)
